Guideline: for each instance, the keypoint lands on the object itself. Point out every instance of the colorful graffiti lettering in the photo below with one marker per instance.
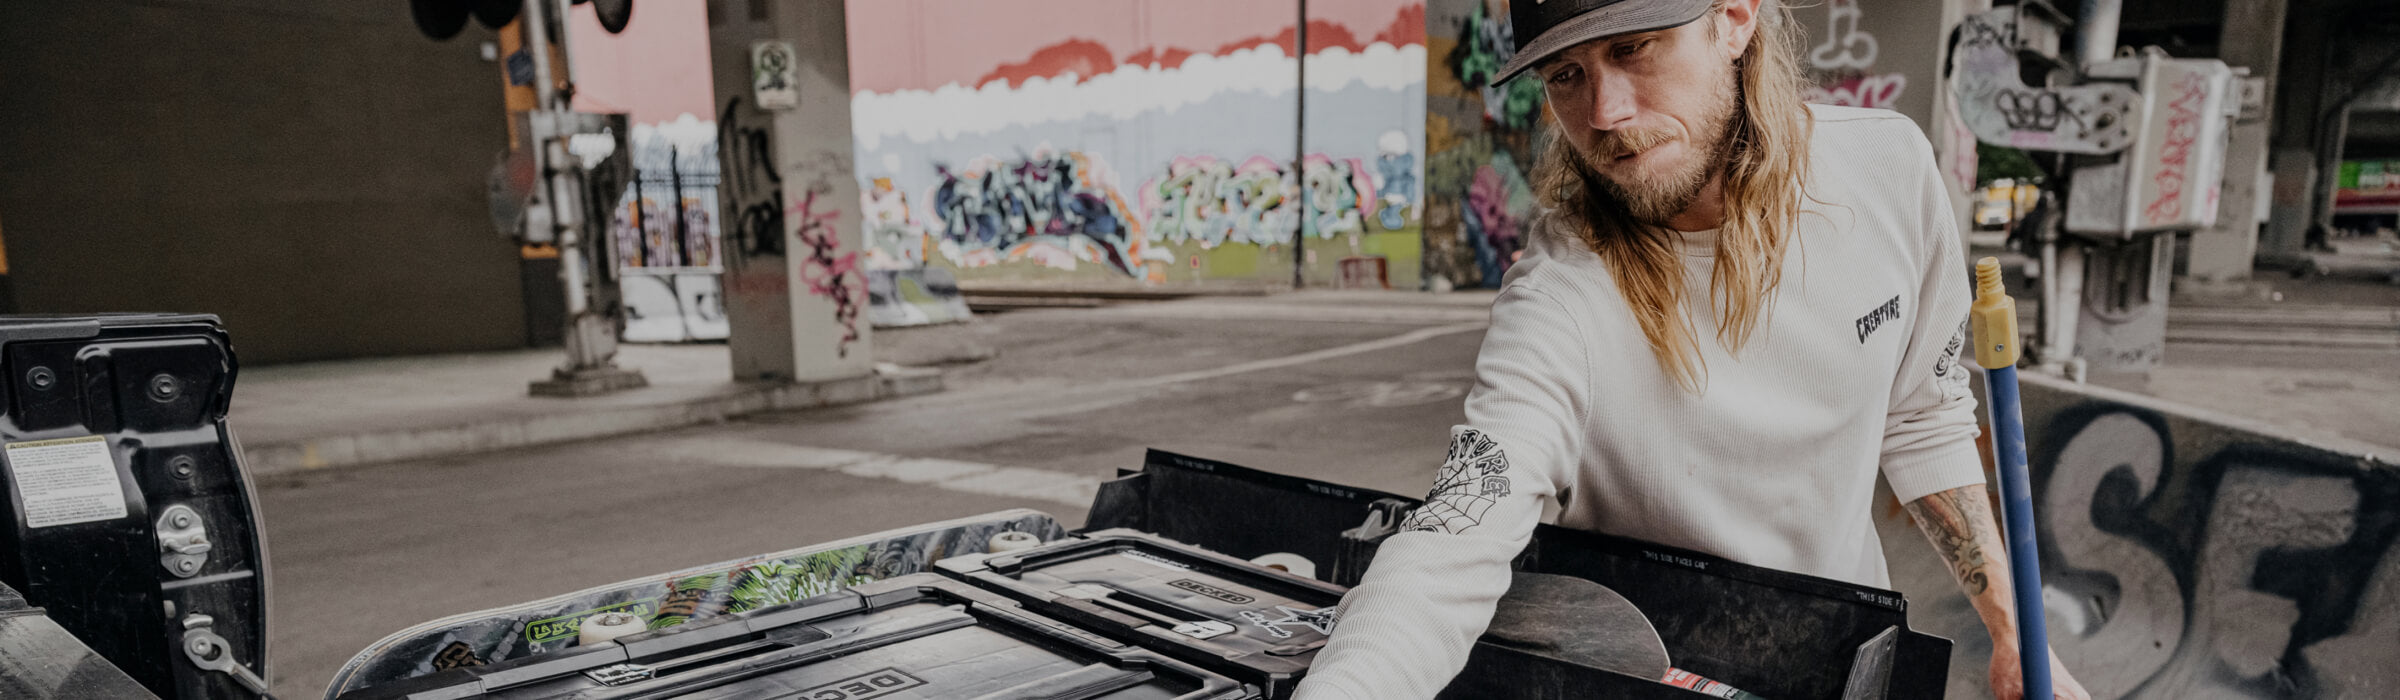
(1204, 199)
(829, 272)
(895, 241)
(1340, 196)
(1054, 208)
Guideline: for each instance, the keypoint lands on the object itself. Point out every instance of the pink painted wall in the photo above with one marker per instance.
(968, 43)
(656, 71)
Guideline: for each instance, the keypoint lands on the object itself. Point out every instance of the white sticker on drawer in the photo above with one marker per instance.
(66, 481)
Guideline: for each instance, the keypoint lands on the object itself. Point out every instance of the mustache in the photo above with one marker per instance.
(1628, 141)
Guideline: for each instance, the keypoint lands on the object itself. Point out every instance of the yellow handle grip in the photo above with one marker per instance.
(1994, 318)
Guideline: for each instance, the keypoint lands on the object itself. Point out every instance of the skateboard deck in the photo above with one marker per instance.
(666, 600)
(906, 638)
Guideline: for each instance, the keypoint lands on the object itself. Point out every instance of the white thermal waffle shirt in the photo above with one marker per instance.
(1854, 370)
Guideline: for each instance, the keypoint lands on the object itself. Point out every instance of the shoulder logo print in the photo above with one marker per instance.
(1472, 478)
(1874, 319)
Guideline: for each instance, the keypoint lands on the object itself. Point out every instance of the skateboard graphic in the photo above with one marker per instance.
(666, 600)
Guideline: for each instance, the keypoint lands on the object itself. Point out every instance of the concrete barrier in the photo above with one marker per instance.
(2188, 554)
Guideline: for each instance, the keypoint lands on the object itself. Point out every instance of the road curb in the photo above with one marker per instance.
(433, 442)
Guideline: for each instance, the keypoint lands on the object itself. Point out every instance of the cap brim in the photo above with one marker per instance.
(1613, 20)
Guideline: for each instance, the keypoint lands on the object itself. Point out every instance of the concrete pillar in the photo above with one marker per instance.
(795, 290)
(2300, 98)
(1953, 144)
(2253, 39)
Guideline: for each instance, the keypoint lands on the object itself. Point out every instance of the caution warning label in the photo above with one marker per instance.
(66, 481)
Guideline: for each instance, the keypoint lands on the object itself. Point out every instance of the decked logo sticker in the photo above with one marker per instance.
(875, 684)
(566, 626)
(456, 654)
(1155, 560)
(1212, 591)
(1319, 620)
(1472, 479)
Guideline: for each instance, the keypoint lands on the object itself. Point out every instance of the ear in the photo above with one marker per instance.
(1740, 22)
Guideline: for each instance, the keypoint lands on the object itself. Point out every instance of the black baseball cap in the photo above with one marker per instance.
(1545, 27)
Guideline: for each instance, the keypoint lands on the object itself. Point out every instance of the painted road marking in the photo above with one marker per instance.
(948, 474)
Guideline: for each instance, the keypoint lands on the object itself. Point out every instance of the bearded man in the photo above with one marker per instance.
(1737, 309)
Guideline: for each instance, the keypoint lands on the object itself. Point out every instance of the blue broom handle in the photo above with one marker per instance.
(2024, 554)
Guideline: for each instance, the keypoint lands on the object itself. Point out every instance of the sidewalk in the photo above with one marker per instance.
(2314, 356)
(333, 414)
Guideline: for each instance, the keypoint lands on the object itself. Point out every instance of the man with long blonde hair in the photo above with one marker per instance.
(1737, 310)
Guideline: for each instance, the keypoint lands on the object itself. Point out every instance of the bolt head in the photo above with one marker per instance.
(163, 387)
(182, 520)
(186, 566)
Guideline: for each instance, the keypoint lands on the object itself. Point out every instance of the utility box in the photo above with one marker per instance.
(2170, 177)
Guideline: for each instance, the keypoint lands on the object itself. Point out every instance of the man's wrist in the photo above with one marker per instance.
(2002, 630)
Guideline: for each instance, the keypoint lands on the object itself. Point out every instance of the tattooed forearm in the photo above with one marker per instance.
(1959, 523)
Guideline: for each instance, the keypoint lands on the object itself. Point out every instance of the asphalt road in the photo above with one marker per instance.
(1069, 398)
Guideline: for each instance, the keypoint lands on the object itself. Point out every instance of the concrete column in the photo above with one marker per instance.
(2300, 87)
(1953, 144)
(795, 292)
(2253, 39)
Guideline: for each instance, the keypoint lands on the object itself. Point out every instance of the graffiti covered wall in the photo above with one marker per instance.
(1147, 141)
(2188, 555)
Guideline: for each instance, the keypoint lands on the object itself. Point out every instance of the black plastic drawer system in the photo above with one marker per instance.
(1260, 625)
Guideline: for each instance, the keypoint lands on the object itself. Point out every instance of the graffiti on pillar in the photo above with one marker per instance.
(1485, 43)
(2253, 568)
(1055, 207)
(1478, 141)
(1844, 63)
(1494, 203)
(1494, 224)
(829, 271)
(753, 189)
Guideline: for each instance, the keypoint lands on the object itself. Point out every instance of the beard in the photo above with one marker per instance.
(1655, 198)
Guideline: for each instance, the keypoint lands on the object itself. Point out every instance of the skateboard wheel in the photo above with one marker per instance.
(1013, 541)
(606, 627)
